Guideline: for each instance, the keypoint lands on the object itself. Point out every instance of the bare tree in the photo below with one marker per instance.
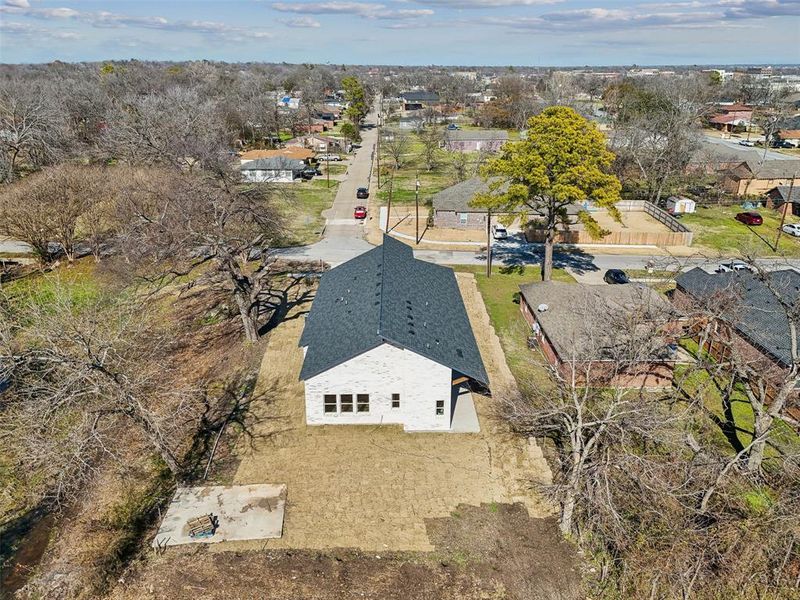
(177, 128)
(431, 138)
(77, 372)
(396, 144)
(46, 207)
(176, 223)
(31, 127)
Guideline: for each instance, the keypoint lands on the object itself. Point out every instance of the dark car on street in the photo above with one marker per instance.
(362, 193)
(615, 276)
(749, 218)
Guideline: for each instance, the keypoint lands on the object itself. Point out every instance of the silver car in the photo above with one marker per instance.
(792, 229)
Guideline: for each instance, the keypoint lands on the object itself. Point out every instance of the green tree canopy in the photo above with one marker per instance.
(563, 161)
(356, 97)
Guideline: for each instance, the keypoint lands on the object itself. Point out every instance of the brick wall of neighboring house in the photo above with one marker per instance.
(453, 220)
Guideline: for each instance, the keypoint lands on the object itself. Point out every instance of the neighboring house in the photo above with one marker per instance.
(585, 325)
(414, 123)
(789, 135)
(730, 116)
(451, 206)
(751, 178)
(289, 102)
(417, 100)
(784, 195)
(387, 341)
(711, 157)
(318, 143)
(277, 169)
(291, 152)
(475, 140)
(762, 327)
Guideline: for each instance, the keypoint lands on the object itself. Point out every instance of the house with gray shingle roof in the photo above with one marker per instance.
(475, 140)
(387, 341)
(276, 169)
(759, 317)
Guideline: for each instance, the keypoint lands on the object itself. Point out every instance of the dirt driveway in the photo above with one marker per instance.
(372, 488)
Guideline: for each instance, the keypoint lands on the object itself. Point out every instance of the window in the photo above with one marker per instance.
(440, 407)
(330, 403)
(395, 400)
(462, 218)
(362, 403)
(346, 401)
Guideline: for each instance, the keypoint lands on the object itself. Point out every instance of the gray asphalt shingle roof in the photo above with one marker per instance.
(274, 163)
(457, 197)
(591, 322)
(386, 295)
(759, 316)
(420, 96)
(461, 135)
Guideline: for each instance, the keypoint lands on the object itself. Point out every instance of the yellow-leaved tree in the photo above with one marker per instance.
(564, 161)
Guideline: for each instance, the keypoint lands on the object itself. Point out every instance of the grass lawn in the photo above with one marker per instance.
(498, 292)
(734, 423)
(304, 210)
(717, 229)
(335, 168)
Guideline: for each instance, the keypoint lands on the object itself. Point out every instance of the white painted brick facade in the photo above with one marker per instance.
(381, 372)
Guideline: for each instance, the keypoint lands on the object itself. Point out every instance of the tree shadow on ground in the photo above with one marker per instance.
(227, 421)
(516, 252)
(279, 301)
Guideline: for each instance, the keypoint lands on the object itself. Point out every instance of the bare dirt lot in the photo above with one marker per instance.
(631, 221)
(490, 552)
(374, 512)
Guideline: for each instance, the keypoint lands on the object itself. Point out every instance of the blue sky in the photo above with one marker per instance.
(467, 32)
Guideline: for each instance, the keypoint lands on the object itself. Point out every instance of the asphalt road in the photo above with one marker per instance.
(734, 145)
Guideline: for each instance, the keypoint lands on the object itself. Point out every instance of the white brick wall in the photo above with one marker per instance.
(381, 372)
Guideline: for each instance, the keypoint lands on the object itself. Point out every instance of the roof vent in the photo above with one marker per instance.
(460, 353)
(543, 308)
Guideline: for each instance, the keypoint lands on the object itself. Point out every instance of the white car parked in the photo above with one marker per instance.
(792, 229)
(329, 157)
(747, 143)
(733, 266)
(499, 232)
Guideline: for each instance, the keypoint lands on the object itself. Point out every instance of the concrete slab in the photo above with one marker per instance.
(244, 512)
(465, 417)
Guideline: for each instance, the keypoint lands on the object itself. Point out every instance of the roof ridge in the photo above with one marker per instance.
(383, 269)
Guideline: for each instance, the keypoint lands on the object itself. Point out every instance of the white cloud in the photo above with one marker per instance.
(17, 3)
(301, 22)
(105, 19)
(367, 10)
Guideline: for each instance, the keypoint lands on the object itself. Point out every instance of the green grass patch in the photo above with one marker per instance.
(734, 418)
(717, 229)
(303, 210)
(500, 295)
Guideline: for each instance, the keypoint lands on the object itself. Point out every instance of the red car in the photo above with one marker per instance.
(360, 212)
(749, 218)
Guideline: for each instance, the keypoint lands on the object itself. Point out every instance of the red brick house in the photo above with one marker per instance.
(731, 115)
(607, 329)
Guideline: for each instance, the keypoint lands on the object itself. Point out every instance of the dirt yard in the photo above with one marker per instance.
(374, 512)
(631, 221)
(372, 487)
(491, 552)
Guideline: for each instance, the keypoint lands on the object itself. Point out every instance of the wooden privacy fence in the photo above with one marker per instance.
(678, 234)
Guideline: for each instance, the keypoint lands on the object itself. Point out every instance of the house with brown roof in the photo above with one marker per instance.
(729, 116)
(604, 333)
(755, 178)
(789, 135)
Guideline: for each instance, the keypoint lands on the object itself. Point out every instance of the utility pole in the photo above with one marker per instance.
(786, 206)
(416, 202)
(389, 205)
(328, 162)
(489, 242)
(378, 151)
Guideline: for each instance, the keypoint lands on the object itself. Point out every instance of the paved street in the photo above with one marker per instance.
(733, 144)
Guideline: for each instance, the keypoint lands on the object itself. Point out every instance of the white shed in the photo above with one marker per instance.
(388, 340)
(680, 205)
